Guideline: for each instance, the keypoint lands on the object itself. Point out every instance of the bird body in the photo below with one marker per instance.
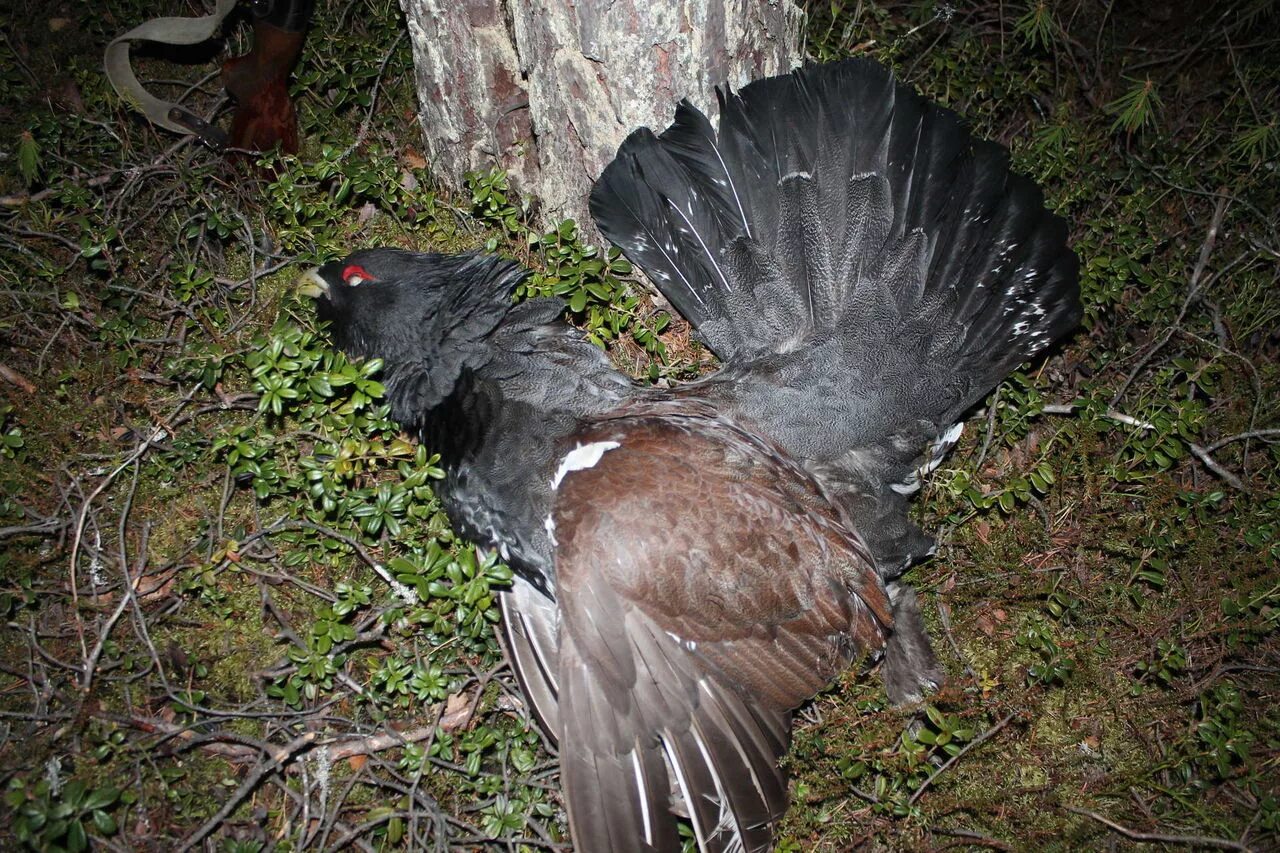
(867, 269)
(694, 563)
(700, 604)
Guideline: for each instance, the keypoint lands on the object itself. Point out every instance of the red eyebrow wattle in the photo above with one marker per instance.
(356, 269)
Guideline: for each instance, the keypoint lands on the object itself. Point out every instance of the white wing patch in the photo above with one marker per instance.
(582, 457)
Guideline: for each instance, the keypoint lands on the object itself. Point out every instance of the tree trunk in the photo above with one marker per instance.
(547, 89)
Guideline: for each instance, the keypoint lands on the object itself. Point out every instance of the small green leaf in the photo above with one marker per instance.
(102, 797)
(77, 838)
(28, 157)
(104, 823)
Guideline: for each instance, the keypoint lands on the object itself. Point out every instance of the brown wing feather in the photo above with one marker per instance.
(707, 587)
(528, 633)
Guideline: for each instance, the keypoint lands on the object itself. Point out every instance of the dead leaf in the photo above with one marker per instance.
(457, 712)
(155, 587)
(413, 159)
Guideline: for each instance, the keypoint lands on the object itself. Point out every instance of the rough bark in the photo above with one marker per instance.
(473, 104)
(547, 89)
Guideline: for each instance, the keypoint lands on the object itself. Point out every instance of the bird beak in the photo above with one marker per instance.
(311, 284)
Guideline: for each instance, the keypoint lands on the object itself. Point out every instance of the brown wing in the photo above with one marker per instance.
(706, 589)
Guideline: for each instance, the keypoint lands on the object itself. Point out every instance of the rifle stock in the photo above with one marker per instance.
(259, 80)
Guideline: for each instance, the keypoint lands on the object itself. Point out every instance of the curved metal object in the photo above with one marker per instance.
(256, 80)
(179, 31)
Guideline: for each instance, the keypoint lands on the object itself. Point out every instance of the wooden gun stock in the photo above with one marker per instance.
(259, 80)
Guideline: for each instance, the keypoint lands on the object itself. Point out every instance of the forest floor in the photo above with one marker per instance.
(201, 504)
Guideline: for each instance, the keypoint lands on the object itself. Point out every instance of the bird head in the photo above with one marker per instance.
(375, 301)
(427, 316)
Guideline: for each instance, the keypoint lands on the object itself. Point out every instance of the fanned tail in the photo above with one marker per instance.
(834, 204)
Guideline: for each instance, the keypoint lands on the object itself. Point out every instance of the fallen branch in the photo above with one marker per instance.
(975, 838)
(1208, 461)
(1244, 436)
(1194, 289)
(1201, 453)
(454, 716)
(295, 746)
(13, 377)
(1161, 838)
(45, 527)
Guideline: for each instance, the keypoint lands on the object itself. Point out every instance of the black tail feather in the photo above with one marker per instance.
(835, 203)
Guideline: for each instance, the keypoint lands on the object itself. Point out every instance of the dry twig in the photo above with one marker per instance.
(1159, 837)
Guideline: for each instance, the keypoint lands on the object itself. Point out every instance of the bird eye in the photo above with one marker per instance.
(354, 275)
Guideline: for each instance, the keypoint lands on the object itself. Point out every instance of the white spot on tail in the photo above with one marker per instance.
(550, 525)
(937, 450)
(582, 457)
(909, 486)
(952, 435)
